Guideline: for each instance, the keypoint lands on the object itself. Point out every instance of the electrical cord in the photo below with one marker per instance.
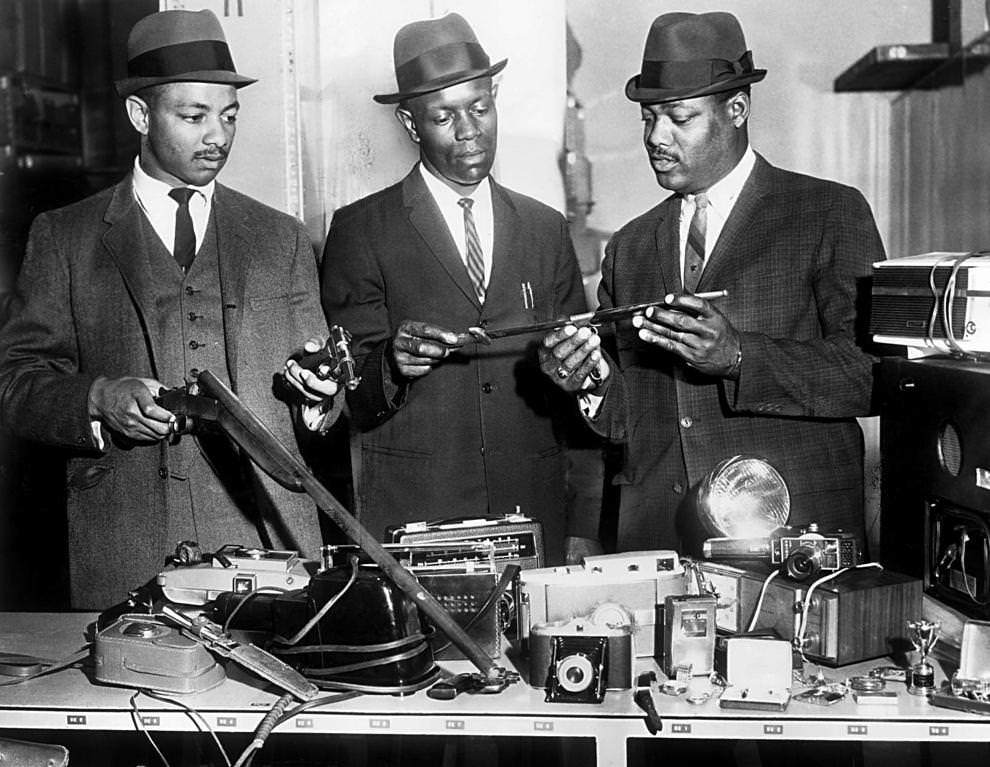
(193, 714)
(947, 297)
(963, 539)
(759, 602)
(805, 605)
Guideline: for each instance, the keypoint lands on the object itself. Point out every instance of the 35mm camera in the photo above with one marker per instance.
(803, 553)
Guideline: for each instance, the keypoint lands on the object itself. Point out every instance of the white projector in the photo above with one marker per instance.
(938, 302)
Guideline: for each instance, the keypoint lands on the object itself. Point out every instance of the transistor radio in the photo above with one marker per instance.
(517, 539)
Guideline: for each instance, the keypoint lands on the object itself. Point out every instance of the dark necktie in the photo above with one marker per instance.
(694, 251)
(185, 236)
(475, 260)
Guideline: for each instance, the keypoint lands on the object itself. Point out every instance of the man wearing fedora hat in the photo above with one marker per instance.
(774, 368)
(140, 287)
(448, 427)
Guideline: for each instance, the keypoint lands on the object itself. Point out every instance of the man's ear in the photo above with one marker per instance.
(738, 108)
(137, 113)
(407, 121)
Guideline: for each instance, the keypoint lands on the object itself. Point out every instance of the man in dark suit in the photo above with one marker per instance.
(140, 287)
(448, 427)
(773, 369)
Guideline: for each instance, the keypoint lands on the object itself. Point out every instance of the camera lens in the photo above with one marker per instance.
(575, 673)
(803, 563)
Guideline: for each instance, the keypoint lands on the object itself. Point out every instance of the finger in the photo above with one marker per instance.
(589, 344)
(654, 334)
(320, 389)
(554, 337)
(427, 331)
(688, 303)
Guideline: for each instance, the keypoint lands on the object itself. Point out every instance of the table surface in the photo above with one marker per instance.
(70, 699)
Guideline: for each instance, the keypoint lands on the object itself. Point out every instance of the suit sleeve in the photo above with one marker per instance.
(353, 295)
(43, 395)
(830, 376)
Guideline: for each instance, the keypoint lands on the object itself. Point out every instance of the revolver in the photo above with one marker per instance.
(334, 360)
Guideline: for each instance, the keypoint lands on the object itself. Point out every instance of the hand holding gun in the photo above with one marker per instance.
(334, 360)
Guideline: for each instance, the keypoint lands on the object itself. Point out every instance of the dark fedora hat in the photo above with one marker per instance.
(693, 54)
(178, 46)
(434, 54)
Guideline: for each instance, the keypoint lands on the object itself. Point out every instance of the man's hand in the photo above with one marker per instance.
(418, 347)
(127, 406)
(572, 358)
(695, 331)
(577, 548)
(318, 393)
(306, 382)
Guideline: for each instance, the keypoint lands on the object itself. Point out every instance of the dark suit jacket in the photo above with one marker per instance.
(478, 434)
(793, 254)
(86, 308)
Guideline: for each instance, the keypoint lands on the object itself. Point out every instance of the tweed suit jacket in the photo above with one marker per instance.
(480, 434)
(793, 255)
(86, 308)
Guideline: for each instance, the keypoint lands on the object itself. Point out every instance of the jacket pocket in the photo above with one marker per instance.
(91, 475)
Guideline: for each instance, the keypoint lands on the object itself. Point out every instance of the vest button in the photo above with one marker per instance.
(488, 388)
(193, 316)
(163, 472)
(195, 344)
(190, 290)
(686, 422)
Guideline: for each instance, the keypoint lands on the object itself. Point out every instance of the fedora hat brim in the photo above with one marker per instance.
(659, 95)
(440, 83)
(130, 85)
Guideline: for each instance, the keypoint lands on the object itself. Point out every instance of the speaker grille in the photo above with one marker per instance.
(950, 449)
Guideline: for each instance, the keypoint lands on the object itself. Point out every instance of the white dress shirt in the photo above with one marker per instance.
(453, 214)
(152, 195)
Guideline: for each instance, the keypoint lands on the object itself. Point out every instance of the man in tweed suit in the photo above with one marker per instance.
(448, 427)
(773, 369)
(125, 293)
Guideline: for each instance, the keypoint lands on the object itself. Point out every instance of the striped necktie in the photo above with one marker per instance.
(475, 260)
(185, 236)
(694, 250)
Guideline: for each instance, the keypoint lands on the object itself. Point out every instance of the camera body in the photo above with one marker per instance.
(240, 569)
(638, 581)
(804, 552)
(577, 660)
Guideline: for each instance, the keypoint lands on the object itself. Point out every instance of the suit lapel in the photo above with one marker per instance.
(736, 240)
(234, 252)
(667, 245)
(506, 265)
(125, 242)
(425, 217)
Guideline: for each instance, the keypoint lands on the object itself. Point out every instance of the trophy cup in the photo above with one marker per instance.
(921, 676)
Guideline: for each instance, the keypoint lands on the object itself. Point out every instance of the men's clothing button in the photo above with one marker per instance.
(163, 473)
(195, 344)
(686, 422)
(488, 388)
(678, 488)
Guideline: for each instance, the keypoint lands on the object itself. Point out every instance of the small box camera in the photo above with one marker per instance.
(689, 633)
(576, 661)
(803, 553)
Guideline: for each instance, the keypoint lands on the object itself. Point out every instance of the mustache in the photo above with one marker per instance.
(216, 153)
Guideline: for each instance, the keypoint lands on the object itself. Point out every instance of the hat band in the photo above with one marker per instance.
(170, 60)
(682, 74)
(441, 62)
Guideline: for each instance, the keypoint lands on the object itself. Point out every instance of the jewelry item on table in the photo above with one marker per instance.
(921, 676)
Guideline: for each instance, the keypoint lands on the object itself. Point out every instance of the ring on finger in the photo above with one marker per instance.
(563, 372)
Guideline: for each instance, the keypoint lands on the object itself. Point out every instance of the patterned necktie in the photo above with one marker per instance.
(185, 236)
(475, 260)
(694, 251)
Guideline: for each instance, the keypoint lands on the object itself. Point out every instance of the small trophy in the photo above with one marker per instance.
(921, 676)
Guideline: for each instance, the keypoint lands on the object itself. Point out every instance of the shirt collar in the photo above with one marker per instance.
(443, 194)
(151, 189)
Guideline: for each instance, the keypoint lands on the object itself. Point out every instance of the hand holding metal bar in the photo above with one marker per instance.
(486, 335)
